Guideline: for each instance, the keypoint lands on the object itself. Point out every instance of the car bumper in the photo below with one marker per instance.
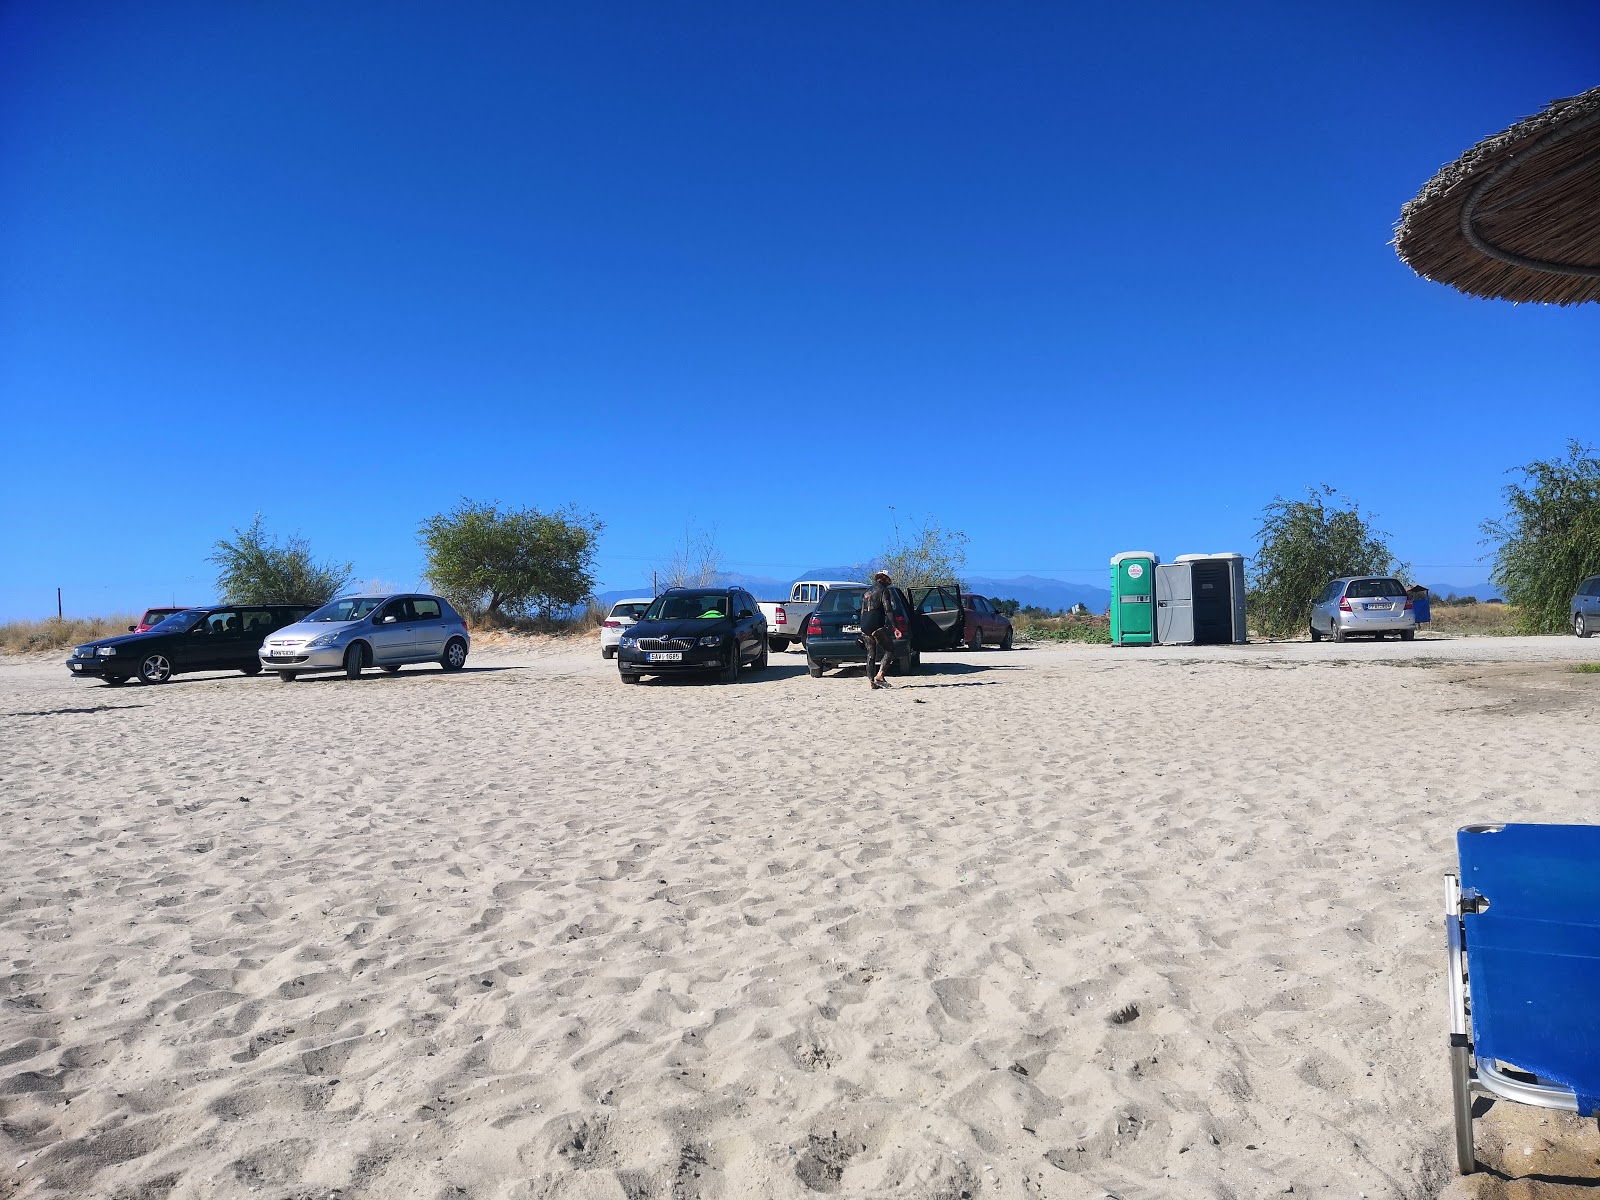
(92, 668)
(637, 662)
(1382, 623)
(330, 658)
(845, 648)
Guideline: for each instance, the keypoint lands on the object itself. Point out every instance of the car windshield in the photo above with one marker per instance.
(1360, 589)
(842, 600)
(347, 608)
(179, 620)
(634, 610)
(688, 606)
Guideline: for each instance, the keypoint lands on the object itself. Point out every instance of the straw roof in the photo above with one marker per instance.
(1517, 217)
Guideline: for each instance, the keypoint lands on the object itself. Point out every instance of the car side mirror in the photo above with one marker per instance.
(389, 620)
(745, 614)
(133, 629)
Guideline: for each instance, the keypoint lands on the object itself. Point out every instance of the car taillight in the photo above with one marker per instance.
(814, 625)
(1408, 603)
(778, 615)
(900, 627)
(612, 624)
(1344, 606)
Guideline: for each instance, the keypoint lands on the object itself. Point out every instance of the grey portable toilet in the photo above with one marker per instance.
(1218, 598)
(1175, 604)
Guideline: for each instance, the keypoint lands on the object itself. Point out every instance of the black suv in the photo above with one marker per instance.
(225, 638)
(695, 629)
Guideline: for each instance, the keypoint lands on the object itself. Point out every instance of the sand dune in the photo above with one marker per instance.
(1049, 923)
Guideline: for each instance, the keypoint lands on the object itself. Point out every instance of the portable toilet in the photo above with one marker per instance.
(1133, 598)
(1175, 603)
(1218, 598)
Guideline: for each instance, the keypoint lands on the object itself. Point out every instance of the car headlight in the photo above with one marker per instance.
(323, 642)
(629, 642)
(105, 650)
(711, 639)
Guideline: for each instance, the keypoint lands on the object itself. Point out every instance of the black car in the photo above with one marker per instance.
(695, 629)
(225, 638)
(926, 618)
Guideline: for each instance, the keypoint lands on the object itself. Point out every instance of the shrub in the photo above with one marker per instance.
(253, 568)
(517, 563)
(928, 555)
(1549, 538)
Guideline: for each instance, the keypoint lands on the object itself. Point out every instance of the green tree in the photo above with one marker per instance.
(515, 562)
(927, 555)
(253, 568)
(1303, 544)
(1008, 607)
(1549, 538)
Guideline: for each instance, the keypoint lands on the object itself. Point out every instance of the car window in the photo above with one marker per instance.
(845, 600)
(1361, 589)
(221, 624)
(398, 609)
(1594, 587)
(426, 610)
(257, 620)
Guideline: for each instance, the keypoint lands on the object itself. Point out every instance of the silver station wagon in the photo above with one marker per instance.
(1372, 604)
(353, 632)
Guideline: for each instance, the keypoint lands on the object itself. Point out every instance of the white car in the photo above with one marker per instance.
(623, 614)
(786, 619)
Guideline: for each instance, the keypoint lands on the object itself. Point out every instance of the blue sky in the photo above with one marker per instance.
(1073, 279)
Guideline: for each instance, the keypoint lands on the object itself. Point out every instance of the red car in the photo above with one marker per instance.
(153, 617)
(986, 625)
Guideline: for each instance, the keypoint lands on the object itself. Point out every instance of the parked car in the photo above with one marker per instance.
(354, 632)
(154, 616)
(623, 614)
(1586, 607)
(923, 619)
(786, 619)
(986, 625)
(719, 628)
(1374, 605)
(224, 637)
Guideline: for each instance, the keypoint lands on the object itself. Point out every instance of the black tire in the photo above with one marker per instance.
(454, 656)
(391, 670)
(156, 668)
(760, 663)
(608, 652)
(1339, 635)
(975, 641)
(813, 669)
(287, 676)
(254, 669)
(730, 673)
(628, 677)
(777, 645)
(354, 659)
(114, 680)
(1005, 642)
(1580, 627)
(906, 664)
(1316, 634)
(1408, 635)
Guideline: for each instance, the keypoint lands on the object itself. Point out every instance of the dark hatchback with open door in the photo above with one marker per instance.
(924, 619)
(226, 637)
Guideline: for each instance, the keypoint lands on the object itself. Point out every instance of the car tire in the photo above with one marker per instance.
(454, 656)
(1005, 642)
(777, 645)
(251, 670)
(114, 680)
(156, 668)
(760, 663)
(975, 642)
(1408, 635)
(1338, 633)
(287, 676)
(354, 659)
(730, 673)
(1316, 634)
(628, 676)
(1580, 627)
(906, 665)
(390, 670)
(813, 669)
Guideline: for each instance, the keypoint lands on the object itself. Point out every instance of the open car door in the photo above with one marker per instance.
(937, 619)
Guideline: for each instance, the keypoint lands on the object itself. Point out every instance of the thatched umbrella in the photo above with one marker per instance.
(1517, 217)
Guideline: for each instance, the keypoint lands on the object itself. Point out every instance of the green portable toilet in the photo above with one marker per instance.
(1133, 608)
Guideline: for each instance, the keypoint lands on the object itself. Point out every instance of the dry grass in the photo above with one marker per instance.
(1474, 620)
(1090, 628)
(31, 637)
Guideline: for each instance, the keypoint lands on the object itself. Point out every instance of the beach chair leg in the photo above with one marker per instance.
(1461, 1097)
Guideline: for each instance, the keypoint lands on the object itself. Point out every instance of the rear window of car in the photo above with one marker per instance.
(1363, 588)
(630, 610)
(842, 600)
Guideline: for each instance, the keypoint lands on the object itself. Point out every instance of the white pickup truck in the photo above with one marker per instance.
(786, 619)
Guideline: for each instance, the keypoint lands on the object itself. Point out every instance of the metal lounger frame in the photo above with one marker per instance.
(1469, 1075)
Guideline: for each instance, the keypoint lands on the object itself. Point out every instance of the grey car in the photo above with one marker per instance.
(1586, 607)
(1375, 605)
(353, 632)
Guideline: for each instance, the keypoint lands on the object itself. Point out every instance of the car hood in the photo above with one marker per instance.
(692, 628)
(132, 639)
(311, 629)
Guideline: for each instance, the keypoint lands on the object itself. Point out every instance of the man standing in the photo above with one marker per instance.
(877, 616)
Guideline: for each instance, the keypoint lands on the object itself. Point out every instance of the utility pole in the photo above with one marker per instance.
(655, 588)
(59, 617)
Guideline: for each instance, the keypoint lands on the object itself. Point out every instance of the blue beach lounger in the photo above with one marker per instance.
(1524, 934)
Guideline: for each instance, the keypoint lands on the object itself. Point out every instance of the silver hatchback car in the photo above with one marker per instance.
(1369, 604)
(1586, 607)
(353, 632)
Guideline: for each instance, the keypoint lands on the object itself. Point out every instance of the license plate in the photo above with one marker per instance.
(665, 656)
(1378, 608)
(852, 629)
(77, 666)
(281, 652)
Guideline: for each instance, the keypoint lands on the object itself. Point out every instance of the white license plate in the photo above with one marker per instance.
(1378, 607)
(77, 666)
(665, 656)
(281, 652)
(851, 629)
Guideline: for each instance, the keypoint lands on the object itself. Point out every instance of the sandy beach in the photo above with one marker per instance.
(1068, 922)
